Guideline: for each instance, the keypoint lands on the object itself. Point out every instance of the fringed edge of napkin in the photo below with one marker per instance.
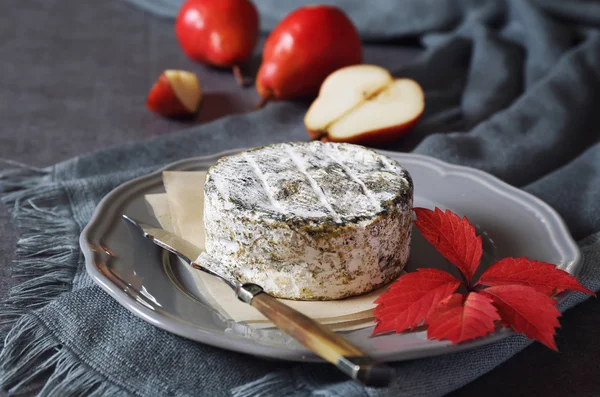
(45, 241)
(46, 262)
(30, 351)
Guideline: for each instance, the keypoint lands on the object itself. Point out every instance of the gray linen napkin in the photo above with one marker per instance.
(511, 88)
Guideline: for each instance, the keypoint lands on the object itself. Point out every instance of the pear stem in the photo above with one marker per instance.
(239, 77)
(263, 101)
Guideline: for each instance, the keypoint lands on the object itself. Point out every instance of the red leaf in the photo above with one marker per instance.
(458, 319)
(543, 277)
(411, 298)
(453, 237)
(527, 311)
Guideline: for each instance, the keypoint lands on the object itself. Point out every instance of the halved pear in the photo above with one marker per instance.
(363, 104)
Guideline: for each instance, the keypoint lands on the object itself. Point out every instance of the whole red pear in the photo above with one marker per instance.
(303, 49)
(217, 32)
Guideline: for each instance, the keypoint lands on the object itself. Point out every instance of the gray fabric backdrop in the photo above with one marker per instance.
(118, 52)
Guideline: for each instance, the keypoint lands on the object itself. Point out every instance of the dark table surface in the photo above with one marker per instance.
(76, 54)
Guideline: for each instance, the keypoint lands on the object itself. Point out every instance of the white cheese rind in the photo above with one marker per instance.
(309, 220)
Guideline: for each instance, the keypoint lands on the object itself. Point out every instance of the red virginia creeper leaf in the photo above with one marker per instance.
(410, 299)
(453, 237)
(458, 318)
(527, 311)
(543, 277)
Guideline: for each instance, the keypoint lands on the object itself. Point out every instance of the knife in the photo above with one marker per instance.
(330, 346)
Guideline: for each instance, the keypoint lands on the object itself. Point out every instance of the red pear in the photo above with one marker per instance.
(307, 45)
(220, 33)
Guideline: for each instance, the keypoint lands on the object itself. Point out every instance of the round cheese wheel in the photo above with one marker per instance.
(309, 221)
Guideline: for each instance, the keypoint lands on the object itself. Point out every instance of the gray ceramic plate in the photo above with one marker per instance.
(159, 289)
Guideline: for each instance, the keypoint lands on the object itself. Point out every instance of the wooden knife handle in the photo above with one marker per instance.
(324, 342)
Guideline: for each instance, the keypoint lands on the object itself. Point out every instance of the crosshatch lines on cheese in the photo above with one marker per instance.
(261, 177)
(386, 163)
(329, 153)
(316, 181)
(298, 162)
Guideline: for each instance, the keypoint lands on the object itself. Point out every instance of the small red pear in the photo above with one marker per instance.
(303, 49)
(220, 33)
